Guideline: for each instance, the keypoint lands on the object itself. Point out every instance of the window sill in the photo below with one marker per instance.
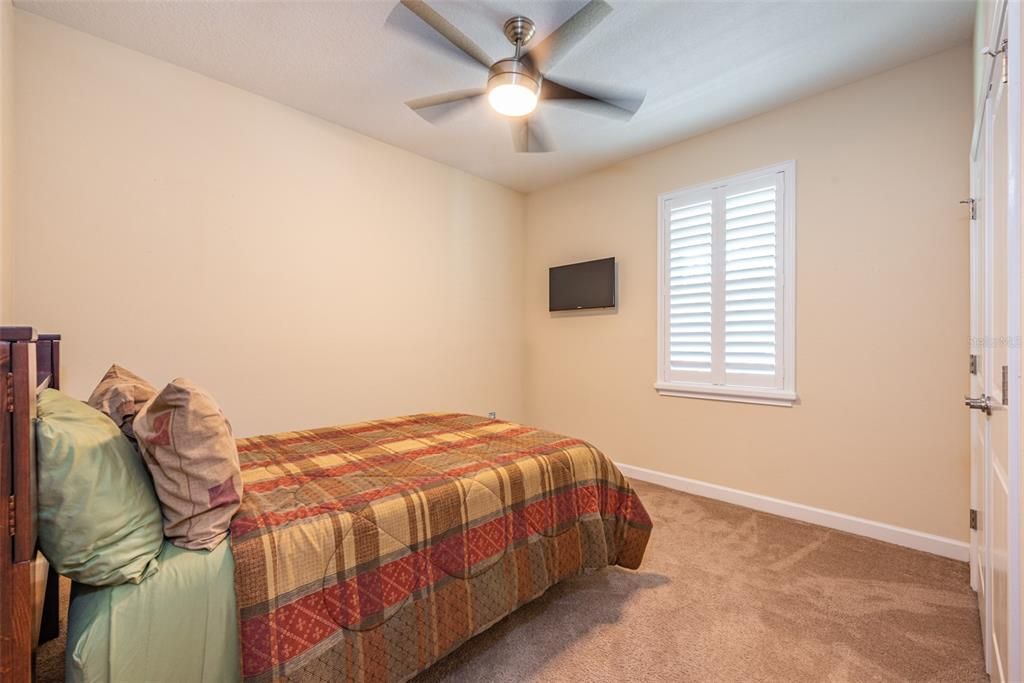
(768, 397)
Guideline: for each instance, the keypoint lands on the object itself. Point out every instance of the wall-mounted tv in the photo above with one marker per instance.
(590, 284)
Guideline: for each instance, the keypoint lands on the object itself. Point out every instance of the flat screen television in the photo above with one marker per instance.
(590, 284)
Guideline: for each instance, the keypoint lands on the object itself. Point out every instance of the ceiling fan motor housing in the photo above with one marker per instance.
(514, 72)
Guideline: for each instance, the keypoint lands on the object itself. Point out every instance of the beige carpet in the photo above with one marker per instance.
(728, 594)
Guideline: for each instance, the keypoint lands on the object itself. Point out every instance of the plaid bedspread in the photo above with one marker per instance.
(369, 551)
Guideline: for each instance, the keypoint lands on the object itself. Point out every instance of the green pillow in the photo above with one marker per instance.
(99, 520)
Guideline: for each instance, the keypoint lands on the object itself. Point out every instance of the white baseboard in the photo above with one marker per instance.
(918, 540)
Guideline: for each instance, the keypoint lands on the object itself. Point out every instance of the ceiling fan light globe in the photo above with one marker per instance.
(512, 99)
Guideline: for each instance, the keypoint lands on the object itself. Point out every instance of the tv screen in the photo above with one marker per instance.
(582, 285)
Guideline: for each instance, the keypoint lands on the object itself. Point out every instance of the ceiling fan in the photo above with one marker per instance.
(517, 84)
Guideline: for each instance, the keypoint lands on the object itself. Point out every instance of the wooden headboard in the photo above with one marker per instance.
(27, 361)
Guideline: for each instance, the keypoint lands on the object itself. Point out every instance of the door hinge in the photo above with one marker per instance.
(974, 364)
(974, 520)
(12, 526)
(1006, 386)
(972, 204)
(9, 390)
(1001, 53)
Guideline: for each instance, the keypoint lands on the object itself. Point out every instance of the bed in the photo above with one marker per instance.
(360, 552)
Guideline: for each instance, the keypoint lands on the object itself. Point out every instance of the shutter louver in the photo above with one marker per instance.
(751, 281)
(689, 280)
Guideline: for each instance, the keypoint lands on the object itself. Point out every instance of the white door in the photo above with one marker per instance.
(995, 384)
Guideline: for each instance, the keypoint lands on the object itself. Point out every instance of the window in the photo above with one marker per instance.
(726, 276)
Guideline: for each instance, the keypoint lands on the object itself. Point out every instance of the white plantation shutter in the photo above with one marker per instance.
(751, 282)
(723, 318)
(689, 286)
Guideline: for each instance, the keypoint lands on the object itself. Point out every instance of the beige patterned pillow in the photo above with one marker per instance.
(187, 444)
(120, 395)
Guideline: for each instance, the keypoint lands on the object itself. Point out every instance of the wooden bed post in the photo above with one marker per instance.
(25, 362)
(48, 366)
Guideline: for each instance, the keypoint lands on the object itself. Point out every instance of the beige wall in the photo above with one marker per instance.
(882, 306)
(308, 275)
(6, 149)
(305, 274)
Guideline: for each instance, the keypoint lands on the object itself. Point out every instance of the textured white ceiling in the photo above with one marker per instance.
(702, 64)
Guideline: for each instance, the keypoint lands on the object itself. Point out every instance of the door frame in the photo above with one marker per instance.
(979, 265)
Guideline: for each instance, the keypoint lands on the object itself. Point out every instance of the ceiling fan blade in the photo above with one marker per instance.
(447, 30)
(435, 108)
(528, 135)
(618, 105)
(549, 51)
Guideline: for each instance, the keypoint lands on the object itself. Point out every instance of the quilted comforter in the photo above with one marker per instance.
(369, 551)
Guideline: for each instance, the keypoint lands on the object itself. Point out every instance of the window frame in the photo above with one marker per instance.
(783, 393)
